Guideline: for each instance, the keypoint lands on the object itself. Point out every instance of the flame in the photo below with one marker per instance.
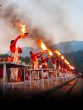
(43, 46)
(23, 28)
(62, 57)
(57, 52)
(66, 62)
(50, 53)
(71, 67)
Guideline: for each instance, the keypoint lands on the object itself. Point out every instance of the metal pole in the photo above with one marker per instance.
(30, 78)
(24, 81)
(42, 79)
(4, 77)
(38, 79)
(48, 78)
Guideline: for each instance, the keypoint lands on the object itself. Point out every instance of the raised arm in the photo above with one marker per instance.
(47, 58)
(15, 40)
(37, 54)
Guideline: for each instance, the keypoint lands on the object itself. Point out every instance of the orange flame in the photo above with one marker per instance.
(62, 57)
(57, 52)
(50, 53)
(66, 62)
(71, 67)
(23, 28)
(43, 46)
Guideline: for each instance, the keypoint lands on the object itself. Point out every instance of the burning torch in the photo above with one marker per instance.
(24, 30)
(44, 47)
(63, 59)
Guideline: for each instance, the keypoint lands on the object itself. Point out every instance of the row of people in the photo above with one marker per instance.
(15, 57)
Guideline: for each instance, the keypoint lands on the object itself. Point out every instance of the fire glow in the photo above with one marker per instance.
(57, 52)
(50, 53)
(66, 62)
(23, 28)
(71, 67)
(63, 58)
(43, 46)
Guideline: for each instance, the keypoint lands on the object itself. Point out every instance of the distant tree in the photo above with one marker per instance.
(3, 55)
(27, 60)
(76, 59)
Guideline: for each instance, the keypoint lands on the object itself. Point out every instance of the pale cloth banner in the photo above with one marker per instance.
(14, 71)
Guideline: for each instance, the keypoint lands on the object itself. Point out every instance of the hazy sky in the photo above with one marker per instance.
(60, 20)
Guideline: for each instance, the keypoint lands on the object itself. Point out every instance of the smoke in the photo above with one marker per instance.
(10, 13)
(45, 19)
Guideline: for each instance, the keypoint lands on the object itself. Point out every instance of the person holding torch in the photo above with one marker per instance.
(53, 59)
(16, 51)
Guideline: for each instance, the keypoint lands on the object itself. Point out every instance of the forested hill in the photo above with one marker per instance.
(76, 58)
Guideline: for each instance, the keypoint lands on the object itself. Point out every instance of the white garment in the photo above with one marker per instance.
(14, 73)
(16, 56)
(54, 66)
(36, 65)
(45, 74)
(54, 69)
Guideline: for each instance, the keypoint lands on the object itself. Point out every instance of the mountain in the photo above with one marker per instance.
(70, 46)
(76, 59)
(25, 51)
(63, 47)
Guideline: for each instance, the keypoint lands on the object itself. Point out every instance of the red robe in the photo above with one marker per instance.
(44, 62)
(13, 46)
(15, 56)
(45, 66)
(34, 58)
(53, 61)
(1, 72)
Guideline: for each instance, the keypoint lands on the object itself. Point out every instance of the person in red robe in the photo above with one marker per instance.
(44, 62)
(13, 48)
(34, 58)
(54, 62)
(16, 51)
(45, 65)
(53, 59)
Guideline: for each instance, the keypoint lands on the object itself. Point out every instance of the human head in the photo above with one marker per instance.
(31, 52)
(42, 57)
(12, 41)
